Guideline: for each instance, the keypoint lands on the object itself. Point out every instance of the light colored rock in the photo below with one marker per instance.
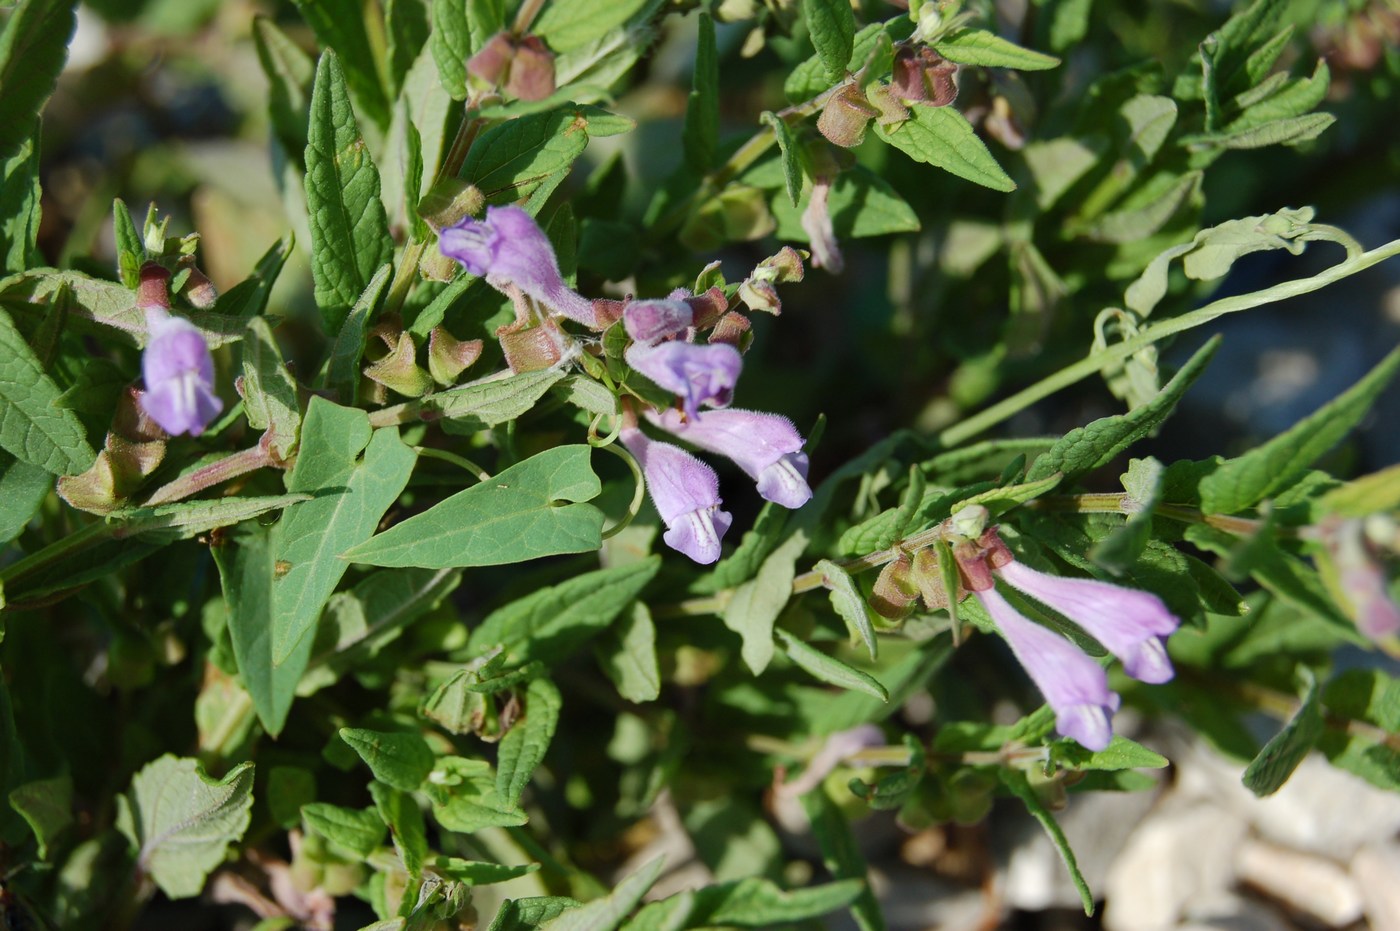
(1308, 883)
(1233, 913)
(1304, 814)
(913, 899)
(1376, 870)
(1097, 825)
(1182, 853)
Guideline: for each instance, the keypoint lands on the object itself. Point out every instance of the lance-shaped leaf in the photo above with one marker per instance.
(1269, 469)
(607, 913)
(181, 821)
(34, 426)
(523, 748)
(349, 228)
(268, 389)
(551, 622)
(567, 26)
(357, 830)
(400, 759)
(754, 607)
(401, 813)
(980, 47)
(340, 25)
(848, 603)
(830, 669)
(833, 29)
(33, 48)
(941, 136)
(22, 489)
(350, 496)
(19, 206)
(527, 157)
(289, 72)
(184, 519)
(700, 136)
(249, 297)
(532, 509)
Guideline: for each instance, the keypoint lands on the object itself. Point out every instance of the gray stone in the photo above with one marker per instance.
(1376, 870)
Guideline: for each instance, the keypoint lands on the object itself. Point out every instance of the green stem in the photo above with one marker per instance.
(981, 422)
(76, 542)
(432, 452)
(1114, 504)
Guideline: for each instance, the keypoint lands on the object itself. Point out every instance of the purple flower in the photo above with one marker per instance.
(1360, 578)
(650, 322)
(766, 446)
(179, 375)
(698, 374)
(686, 494)
(509, 248)
(1075, 686)
(1133, 625)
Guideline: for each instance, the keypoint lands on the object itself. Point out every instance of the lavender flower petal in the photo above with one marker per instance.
(698, 374)
(766, 446)
(1074, 685)
(179, 376)
(686, 494)
(650, 322)
(1133, 625)
(509, 248)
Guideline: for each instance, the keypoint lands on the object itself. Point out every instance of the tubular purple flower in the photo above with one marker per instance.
(650, 322)
(1075, 686)
(686, 494)
(698, 374)
(1133, 625)
(766, 446)
(179, 375)
(508, 247)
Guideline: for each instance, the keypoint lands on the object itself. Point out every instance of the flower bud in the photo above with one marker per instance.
(732, 329)
(531, 71)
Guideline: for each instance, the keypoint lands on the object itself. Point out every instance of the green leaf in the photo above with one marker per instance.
(942, 137)
(753, 608)
(181, 821)
(1086, 448)
(829, 669)
(700, 135)
(789, 154)
(1292, 131)
(627, 653)
(529, 913)
(846, 600)
(477, 873)
(350, 496)
(523, 748)
(833, 29)
(1016, 781)
(268, 389)
(1268, 771)
(288, 788)
(607, 913)
(1143, 486)
(998, 501)
(349, 228)
(290, 72)
(22, 490)
(20, 206)
(343, 369)
(34, 426)
(47, 806)
(1120, 754)
(980, 47)
(911, 501)
(464, 797)
(33, 50)
(526, 157)
(571, 24)
(756, 902)
(1293, 99)
(340, 26)
(1371, 696)
(809, 78)
(397, 758)
(246, 571)
(476, 407)
(513, 516)
(551, 622)
(841, 855)
(131, 249)
(401, 813)
(1146, 211)
(460, 27)
(408, 29)
(358, 831)
(861, 203)
(1266, 470)
(249, 297)
(105, 303)
(184, 519)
